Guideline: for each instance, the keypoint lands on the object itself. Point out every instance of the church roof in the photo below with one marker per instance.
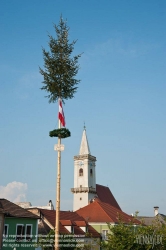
(98, 211)
(84, 147)
(105, 195)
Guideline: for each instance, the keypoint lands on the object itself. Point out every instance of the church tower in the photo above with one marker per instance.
(84, 175)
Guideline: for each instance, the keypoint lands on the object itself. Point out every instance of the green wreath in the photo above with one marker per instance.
(61, 133)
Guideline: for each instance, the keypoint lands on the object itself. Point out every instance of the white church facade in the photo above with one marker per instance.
(85, 189)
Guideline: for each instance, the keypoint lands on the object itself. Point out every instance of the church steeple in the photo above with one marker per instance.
(84, 175)
(84, 148)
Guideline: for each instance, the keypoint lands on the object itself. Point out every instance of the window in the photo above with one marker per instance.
(80, 199)
(72, 229)
(28, 232)
(91, 172)
(20, 232)
(104, 234)
(5, 231)
(81, 172)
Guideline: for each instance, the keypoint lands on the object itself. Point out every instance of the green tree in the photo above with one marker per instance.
(136, 237)
(60, 66)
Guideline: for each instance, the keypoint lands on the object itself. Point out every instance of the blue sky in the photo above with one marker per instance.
(121, 98)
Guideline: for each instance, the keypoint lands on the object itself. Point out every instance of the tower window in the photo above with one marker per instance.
(81, 172)
(91, 172)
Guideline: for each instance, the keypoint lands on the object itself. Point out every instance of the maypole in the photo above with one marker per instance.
(60, 83)
(58, 147)
(58, 188)
(60, 133)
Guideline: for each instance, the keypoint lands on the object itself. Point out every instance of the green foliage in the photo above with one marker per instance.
(60, 67)
(136, 237)
(61, 133)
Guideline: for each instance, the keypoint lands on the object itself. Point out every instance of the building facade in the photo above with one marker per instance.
(20, 227)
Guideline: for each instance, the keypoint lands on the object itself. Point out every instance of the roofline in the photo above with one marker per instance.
(13, 217)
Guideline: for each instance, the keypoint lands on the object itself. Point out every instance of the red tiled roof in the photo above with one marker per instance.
(13, 210)
(66, 222)
(63, 230)
(81, 223)
(64, 215)
(67, 217)
(105, 195)
(103, 212)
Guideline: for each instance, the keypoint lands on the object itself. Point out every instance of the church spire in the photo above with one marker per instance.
(84, 148)
(84, 175)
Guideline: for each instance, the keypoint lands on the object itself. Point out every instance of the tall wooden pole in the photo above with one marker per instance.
(58, 193)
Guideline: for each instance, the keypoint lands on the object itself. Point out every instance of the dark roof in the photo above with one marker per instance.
(12, 210)
(146, 220)
(64, 215)
(1, 208)
(68, 218)
(98, 211)
(151, 220)
(105, 195)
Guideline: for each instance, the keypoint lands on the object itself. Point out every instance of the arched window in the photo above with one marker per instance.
(81, 172)
(91, 172)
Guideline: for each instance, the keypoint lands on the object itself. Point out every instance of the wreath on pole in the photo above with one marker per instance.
(60, 133)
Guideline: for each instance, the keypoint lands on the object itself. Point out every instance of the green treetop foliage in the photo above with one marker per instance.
(136, 237)
(60, 67)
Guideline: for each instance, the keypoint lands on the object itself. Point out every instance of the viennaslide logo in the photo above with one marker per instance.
(149, 239)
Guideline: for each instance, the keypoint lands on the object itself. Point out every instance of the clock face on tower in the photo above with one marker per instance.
(80, 163)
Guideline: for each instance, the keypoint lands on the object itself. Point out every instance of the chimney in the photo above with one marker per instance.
(156, 211)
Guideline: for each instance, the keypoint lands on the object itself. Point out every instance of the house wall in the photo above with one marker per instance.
(10, 241)
(101, 228)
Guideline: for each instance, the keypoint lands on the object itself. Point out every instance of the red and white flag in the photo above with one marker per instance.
(61, 115)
